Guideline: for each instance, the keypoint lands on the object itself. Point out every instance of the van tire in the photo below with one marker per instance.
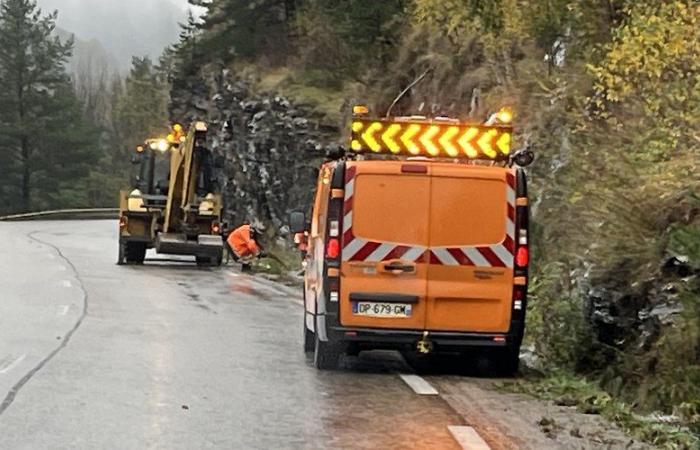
(507, 361)
(309, 337)
(326, 354)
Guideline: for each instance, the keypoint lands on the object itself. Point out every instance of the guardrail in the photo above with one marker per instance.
(65, 214)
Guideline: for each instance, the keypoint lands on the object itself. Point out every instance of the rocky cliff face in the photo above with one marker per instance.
(272, 146)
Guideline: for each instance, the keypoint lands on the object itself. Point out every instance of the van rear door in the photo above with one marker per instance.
(470, 278)
(385, 239)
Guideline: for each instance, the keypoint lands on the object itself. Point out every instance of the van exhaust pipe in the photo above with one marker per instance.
(424, 346)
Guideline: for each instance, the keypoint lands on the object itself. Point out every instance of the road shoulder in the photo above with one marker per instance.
(507, 420)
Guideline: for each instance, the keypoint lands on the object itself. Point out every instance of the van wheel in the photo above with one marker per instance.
(326, 354)
(507, 361)
(309, 337)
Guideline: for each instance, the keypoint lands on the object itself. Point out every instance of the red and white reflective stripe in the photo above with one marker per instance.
(358, 249)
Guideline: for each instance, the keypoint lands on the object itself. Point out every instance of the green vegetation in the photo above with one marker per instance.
(41, 152)
(588, 398)
(65, 143)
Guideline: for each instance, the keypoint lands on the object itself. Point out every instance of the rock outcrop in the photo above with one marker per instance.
(272, 147)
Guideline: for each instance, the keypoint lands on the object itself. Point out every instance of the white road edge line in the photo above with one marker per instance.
(418, 384)
(64, 310)
(14, 363)
(468, 438)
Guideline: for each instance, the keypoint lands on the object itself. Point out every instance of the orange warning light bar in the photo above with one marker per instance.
(423, 137)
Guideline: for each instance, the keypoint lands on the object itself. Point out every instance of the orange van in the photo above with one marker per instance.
(412, 248)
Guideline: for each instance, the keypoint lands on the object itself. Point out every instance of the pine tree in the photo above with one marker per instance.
(45, 143)
(248, 28)
(181, 65)
(141, 111)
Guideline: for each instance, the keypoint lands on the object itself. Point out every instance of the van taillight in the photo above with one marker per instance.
(522, 257)
(333, 248)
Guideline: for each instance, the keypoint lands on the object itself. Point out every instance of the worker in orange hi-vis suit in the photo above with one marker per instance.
(243, 243)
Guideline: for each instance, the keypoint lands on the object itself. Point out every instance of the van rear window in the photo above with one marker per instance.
(467, 211)
(392, 208)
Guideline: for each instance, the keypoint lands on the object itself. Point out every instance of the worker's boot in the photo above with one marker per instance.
(246, 267)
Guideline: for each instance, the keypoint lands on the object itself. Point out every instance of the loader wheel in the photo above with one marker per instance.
(121, 258)
(326, 354)
(134, 252)
(203, 261)
(209, 261)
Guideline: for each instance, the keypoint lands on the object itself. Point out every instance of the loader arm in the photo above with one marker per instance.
(184, 171)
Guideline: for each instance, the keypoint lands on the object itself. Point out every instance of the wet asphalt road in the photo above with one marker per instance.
(95, 355)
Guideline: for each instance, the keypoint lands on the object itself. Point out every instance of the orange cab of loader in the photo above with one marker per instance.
(418, 239)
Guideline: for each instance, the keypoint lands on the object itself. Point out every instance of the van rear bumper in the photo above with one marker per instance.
(396, 339)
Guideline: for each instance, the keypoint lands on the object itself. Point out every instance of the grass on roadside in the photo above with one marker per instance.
(279, 265)
(675, 432)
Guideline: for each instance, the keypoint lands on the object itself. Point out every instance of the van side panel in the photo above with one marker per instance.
(315, 261)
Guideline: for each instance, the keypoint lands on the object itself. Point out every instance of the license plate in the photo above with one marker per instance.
(378, 309)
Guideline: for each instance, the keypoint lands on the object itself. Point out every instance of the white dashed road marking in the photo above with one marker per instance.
(468, 438)
(418, 384)
(11, 363)
(66, 283)
(64, 310)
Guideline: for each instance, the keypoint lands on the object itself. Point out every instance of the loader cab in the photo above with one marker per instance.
(152, 163)
(417, 244)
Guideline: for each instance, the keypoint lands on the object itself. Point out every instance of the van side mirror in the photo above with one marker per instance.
(297, 222)
(335, 152)
(523, 157)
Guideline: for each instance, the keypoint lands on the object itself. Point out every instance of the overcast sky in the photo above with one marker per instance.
(124, 27)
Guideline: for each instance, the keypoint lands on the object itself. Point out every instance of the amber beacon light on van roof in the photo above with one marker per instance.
(419, 136)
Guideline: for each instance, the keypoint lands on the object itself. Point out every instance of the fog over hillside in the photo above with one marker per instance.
(123, 27)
